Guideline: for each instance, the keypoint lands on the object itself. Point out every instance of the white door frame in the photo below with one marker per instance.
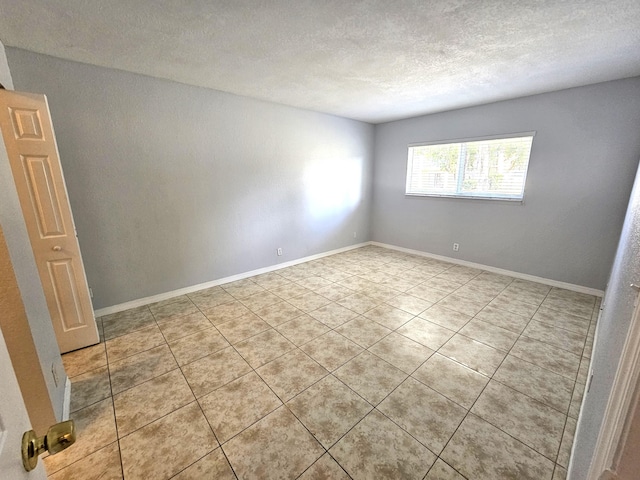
(613, 432)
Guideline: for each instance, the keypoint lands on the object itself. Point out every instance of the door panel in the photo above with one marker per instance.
(33, 154)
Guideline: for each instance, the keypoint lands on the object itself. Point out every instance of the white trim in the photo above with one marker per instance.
(475, 139)
(622, 393)
(501, 271)
(194, 288)
(66, 402)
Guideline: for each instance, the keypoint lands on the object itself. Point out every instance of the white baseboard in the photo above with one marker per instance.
(66, 402)
(194, 288)
(501, 271)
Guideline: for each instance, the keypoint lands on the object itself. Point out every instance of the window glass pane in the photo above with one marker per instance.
(492, 168)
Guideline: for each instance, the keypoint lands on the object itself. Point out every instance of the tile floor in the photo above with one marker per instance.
(367, 364)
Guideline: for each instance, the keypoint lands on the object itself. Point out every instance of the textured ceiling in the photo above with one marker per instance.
(372, 60)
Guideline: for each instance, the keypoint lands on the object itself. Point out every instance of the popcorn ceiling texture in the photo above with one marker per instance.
(370, 60)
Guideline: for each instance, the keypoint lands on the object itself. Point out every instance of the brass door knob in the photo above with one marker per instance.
(58, 437)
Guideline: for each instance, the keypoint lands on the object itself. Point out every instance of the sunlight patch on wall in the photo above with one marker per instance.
(333, 187)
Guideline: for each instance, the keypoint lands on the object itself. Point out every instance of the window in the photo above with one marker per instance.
(489, 168)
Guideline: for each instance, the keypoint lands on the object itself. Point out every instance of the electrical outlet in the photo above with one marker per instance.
(456, 247)
(279, 252)
(90, 292)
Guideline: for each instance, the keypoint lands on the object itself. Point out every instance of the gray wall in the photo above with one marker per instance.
(173, 185)
(613, 325)
(581, 171)
(17, 238)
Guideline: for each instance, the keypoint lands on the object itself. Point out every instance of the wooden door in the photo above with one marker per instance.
(13, 423)
(35, 164)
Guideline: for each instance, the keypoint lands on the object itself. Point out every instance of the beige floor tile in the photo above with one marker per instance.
(172, 308)
(260, 300)
(329, 409)
(442, 284)
(427, 293)
(243, 327)
(489, 334)
(242, 288)
(533, 423)
(398, 282)
(459, 274)
(547, 356)
(210, 298)
(214, 371)
(445, 317)
(134, 370)
(370, 377)
(462, 304)
(453, 380)
(333, 315)
(545, 386)
(270, 280)
(389, 316)
(226, 312)
(481, 451)
(278, 446)
(237, 405)
(151, 400)
(569, 303)
(567, 442)
(167, 446)
(103, 464)
(335, 291)
(402, 352)
(562, 319)
(197, 345)
(409, 303)
(362, 331)
(576, 400)
(89, 388)
(427, 333)
(290, 290)
(443, 471)
(314, 282)
(531, 286)
(514, 306)
(475, 355)
(359, 302)
(503, 318)
(512, 292)
(331, 350)
(583, 371)
(477, 293)
(183, 326)
(302, 329)
(264, 347)
(325, 468)
(560, 473)
(309, 302)
(492, 280)
(279, 313)
(127, 321)
(428, 416)
(135, 342)
(291, 374)
(84, 360)
(377, 448)
(381, 293)
(95, 429)
(214, 466)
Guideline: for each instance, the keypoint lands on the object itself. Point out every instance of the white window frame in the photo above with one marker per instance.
(459, 194)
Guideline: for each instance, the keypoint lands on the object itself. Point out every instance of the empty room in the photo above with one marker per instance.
(320, 240)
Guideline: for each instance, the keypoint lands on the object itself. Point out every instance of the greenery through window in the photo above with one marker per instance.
(493, 168)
